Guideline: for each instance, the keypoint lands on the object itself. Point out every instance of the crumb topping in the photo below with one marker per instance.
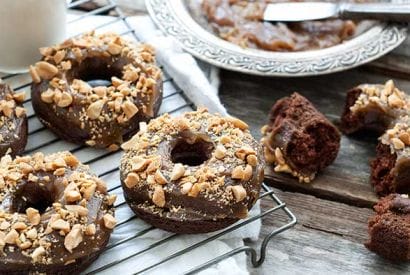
(10, 109)
(398, 137)
(127, 96)
(387, 97)
(226, 176)
(35, 233)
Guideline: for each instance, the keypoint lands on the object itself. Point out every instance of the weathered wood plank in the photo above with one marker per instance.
(328, 238)
(250, 98)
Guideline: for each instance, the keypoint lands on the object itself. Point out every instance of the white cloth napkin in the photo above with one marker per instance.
(184, 70)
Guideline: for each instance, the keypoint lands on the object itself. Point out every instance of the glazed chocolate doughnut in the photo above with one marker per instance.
(101, 116)
(373, 107)
(13, 121)
(55, 216)
(299, 139)
(383, 108)
(192, 174)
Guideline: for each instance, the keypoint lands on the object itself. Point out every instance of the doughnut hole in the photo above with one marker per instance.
(192, 151)
(98, 71)
(33, 195)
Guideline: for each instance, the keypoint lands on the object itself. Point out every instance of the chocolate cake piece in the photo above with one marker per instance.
(373, 107)
(389, 229)
(390, 170)
(299, 139)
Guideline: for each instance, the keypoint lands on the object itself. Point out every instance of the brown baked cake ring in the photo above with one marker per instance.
(383, 108)
(389, 228)
(13, 121)
(55, 216)
(299, 139)
(101, 116)
(192, 174)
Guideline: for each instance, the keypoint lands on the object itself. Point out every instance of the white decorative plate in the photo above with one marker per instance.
(173, 18)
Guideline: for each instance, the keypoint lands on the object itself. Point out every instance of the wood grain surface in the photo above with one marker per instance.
(332, 211)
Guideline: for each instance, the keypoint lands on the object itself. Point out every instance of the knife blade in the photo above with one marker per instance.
(304, 11)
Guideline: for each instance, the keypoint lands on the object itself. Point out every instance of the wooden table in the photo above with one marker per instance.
(332, 211)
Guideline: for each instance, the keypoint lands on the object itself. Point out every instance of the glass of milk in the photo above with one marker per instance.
(27, 25)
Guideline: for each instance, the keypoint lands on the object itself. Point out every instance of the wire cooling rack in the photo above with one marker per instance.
(130, 231)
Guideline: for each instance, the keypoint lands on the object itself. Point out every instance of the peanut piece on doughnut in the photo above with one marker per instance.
(186, 187)
(80, 210)
(397, 143)
(158, 198)
(11, 237)
(33, 216)
(114, 49)
(405, 137)
(71, 160)
(74, 238)
(88, 192)
(32, 234)
(139, 164)
(242, 173)
(95, 108)
(242, 152)
(238, 123)
(46, 70)
(59, 56)
(34, 75)
(72, 196)
(90, 230)
(132, 180)
(20, 111)
(109, 221)
(111, 199)
(65, 100)
(159, 178)
(19, 97)
(61, 224)
(220, 152)
(177, 172)
(129, 109)
(37, 253)
(238, 192)
(48, 96)
(19, 226)
(252, 160)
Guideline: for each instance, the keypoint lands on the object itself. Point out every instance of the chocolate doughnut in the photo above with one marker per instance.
(13, 121)
(192, 174)
(101, 116)
(383, 108)
(299, 139)
(373, 107)
(55, 216)
(389, 228)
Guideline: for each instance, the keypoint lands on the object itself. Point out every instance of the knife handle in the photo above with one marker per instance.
(379, 11)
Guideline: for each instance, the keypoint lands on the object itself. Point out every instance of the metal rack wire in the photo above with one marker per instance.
(105, 164)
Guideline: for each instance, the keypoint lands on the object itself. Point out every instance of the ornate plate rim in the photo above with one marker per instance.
(172, 17)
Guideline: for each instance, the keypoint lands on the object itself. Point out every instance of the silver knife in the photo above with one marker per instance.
(303, 11)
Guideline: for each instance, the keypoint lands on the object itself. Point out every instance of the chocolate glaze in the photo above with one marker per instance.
(61, 260)
(16, 139)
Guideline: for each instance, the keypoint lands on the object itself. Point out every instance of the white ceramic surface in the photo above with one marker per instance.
(27, 25)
